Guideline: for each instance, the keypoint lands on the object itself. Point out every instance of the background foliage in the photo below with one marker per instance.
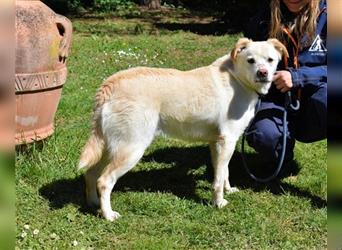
(230, 11)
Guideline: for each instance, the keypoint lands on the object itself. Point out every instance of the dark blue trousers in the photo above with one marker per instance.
(306, 125)
(266, 132)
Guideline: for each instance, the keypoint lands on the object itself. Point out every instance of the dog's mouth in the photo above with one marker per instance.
(263, 81)
(263, 85)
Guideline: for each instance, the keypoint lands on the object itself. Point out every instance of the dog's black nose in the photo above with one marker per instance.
(262, 73)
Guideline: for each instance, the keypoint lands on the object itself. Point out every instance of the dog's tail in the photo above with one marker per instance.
(92, 151)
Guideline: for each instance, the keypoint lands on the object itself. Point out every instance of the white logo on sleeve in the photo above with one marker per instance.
(318, 45)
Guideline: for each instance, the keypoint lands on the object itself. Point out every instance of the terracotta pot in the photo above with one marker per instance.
(42, 45)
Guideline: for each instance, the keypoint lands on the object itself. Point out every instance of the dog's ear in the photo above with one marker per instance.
(279, 46)
(239, 46)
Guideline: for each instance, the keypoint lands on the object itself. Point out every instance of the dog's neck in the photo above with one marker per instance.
(226, 65)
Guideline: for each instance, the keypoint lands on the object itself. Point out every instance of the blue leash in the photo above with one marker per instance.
(288, 105)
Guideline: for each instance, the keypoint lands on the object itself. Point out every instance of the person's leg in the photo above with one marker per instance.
(311, 120)
(266, 133)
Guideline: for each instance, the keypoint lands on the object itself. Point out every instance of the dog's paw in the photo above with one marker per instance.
(221, 203)
(231, 190)
(111, 216)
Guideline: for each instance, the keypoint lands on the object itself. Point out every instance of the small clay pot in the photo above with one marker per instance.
(42, 46)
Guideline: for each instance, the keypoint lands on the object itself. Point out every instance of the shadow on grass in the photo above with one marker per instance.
(159, 22)
(179, 180)
(66, 191)
(215, 28)
(29, 149)
(212, 28)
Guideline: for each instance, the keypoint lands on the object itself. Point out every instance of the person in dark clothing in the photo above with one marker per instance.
(302, 27)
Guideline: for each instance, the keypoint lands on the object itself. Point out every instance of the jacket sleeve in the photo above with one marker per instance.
(305, 76)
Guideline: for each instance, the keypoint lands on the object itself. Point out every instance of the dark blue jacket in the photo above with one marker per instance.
(309, 75)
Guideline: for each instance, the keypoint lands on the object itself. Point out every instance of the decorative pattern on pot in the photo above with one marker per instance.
(39, 81)
(42, 46)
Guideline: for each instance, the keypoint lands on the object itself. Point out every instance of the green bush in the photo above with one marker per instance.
(114, 5)
(66, 7)
(122, 7)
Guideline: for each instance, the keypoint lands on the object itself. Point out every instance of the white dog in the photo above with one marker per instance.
(212, 104)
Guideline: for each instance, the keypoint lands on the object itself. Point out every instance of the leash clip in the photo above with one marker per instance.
(289, 102)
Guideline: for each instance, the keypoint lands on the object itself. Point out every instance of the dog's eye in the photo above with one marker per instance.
(270, 59)
(251, 60)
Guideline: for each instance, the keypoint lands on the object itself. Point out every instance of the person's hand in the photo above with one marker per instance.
(282, 80)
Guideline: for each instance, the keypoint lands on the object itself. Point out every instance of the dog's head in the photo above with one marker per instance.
(255, 63)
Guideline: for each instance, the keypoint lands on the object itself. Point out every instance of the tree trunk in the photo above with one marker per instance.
(151, 4)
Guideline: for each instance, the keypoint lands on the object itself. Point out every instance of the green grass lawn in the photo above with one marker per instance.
(165, 200)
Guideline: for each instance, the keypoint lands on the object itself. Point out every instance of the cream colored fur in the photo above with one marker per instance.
(213, 104)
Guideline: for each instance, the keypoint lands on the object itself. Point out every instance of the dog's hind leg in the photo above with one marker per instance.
(221, 153)
(122, 161)
(91, 176)
(128, 128)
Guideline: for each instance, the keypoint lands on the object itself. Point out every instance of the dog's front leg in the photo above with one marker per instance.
(221, 153)
(229, 189)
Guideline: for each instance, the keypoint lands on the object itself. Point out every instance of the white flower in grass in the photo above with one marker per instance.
(75, 243)
(27, 227)
(121, 52)
(35, 232)
(53, 236)
(23, 235)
